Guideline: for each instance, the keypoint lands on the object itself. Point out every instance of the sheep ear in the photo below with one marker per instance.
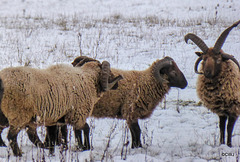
(113, 84)
(226, 57)
(199, 53)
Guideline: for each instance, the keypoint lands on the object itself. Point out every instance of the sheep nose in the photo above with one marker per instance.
(207, 74)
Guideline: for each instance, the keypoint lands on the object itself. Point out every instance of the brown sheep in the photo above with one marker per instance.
(219, 85)
(137, 96)
(32, 97)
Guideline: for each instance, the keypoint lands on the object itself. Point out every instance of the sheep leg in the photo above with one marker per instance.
(231, 123)
(222, 125)
(12, 138)
(62, 136)
(78, 136)
(59, 133)
(2, 144)
(4, 124)
(86, 131)
(136, 134)
(52, 130)
(33, 137)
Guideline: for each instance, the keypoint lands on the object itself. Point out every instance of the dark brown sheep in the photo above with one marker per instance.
(137, 96)
(218, 84)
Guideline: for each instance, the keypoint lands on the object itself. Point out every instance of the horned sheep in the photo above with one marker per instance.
(32, 97)
(218, 87)
(137, 96)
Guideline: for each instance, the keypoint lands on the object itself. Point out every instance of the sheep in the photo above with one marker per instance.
(32, 97)
(4, 123)
(218, 87)
(136, 97)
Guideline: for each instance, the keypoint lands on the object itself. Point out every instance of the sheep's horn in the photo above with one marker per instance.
(198, 41)
(105, 76)
(221, 39)
(81, 60)
(160, 64)
(196, 65)
(231, 57)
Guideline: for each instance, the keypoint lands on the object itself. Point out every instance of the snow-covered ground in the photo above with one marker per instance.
(130, 34)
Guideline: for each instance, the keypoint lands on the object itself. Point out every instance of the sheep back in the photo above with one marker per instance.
(221, 95)
(48, 94)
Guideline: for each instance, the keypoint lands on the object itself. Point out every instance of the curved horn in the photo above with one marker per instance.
(81, 60)
(221, 39)
(160, 64)
(196, 65)
(198, 41)
(105, 77)
(227, 56)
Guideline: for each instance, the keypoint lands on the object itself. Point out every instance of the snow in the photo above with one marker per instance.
(130, 35)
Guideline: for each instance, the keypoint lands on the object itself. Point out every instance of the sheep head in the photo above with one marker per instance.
(212, 57)
(168, 67)
(108, 80)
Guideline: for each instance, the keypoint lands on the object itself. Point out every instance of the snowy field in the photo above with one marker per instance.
(130, 34)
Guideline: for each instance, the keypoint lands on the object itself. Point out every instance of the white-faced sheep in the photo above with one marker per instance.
(32, 97)
(137, 96)
(219, 85)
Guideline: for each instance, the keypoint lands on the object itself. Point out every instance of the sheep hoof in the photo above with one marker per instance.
(18, 153)
(46, 145)
(136, 146)
(51, 151)
(64, 147)
(2, 145)
(15, 149)
(40, 145)
(85, 148)
(81, 148)
(51, 154)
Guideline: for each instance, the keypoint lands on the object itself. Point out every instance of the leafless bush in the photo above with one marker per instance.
(109, 138)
